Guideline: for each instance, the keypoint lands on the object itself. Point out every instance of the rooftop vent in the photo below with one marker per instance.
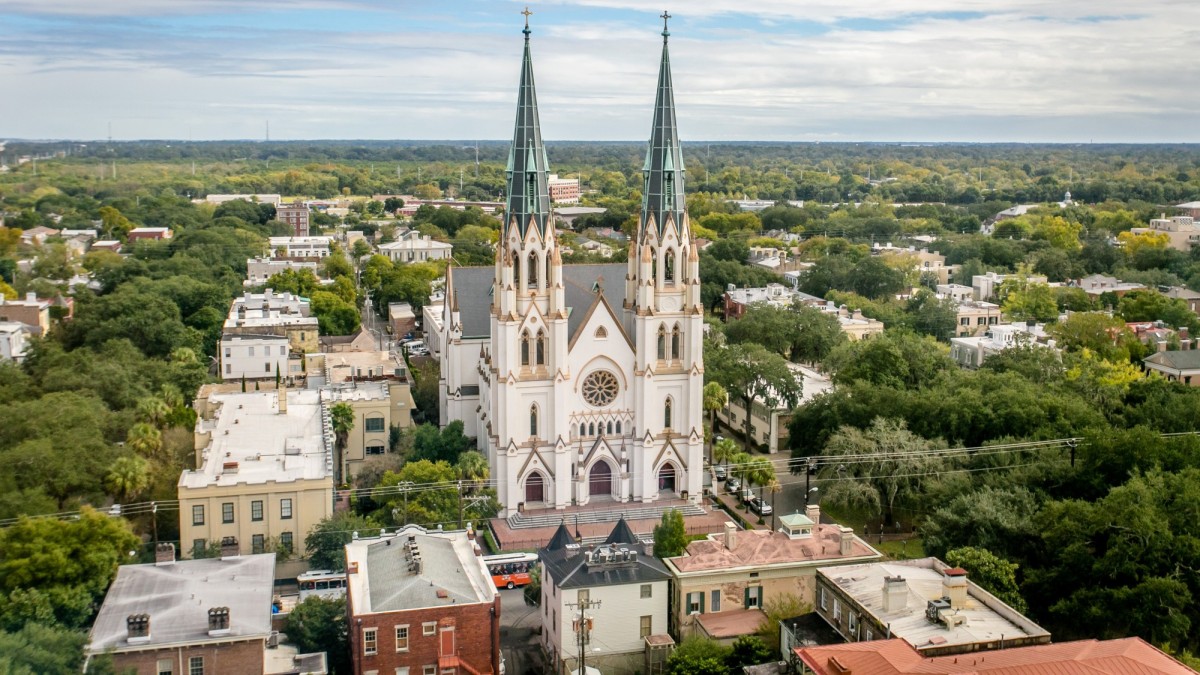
(138, 626)
(218, 621)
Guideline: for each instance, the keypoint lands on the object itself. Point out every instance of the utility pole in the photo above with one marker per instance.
(583, 624)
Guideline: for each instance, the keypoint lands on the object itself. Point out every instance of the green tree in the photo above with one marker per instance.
(887, 465)
(532, 593)
(931, 315)
(319, 625)
(748, 650)
(894, 359)
(993, 573)
(1150, 305)
(715, 400)
(335, 316)
(326, 542)
(37, 648)
(754, 375)
(670, 536)
(698, 656)
(724, 450)
(341, 419)
(1095, 331)
(428, 493)
(446, 445)
(127, 478)
(144, 439)
(1023, 300)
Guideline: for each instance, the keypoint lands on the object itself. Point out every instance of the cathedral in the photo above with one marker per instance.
(581, 383)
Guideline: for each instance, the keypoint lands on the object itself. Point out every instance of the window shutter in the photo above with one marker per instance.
(746, 598)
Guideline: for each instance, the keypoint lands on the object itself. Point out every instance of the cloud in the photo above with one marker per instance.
(910, 70)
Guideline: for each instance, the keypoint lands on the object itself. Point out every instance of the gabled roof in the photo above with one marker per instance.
(572, 567)
(1187, 359)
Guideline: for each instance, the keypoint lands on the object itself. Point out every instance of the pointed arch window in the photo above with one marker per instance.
(525, 348)
(516, 269)
(591, 429)
(610, 427)
(675, 343)
(662, 343)
(618, 427)
(540, 356)
(669, 267)
(533, 420)
(667, 410)
(533, 270)
(582, 429)
(548, 276)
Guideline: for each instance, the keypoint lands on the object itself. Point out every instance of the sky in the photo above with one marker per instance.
(1071, 71)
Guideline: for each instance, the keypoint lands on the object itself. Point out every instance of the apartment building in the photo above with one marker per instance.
(254, 357)
(414, 247)
(563, 190)
(271, 313)
(258, 270)
(295, 215)
(300, 246)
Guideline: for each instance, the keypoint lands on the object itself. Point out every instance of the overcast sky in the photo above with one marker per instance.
(787, 70)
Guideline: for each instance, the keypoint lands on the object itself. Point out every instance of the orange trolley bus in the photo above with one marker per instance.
(510, 570)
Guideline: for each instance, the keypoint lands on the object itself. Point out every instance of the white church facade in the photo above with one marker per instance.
(581, 383)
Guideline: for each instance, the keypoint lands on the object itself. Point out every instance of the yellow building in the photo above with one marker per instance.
(264, 472)
(722, 583)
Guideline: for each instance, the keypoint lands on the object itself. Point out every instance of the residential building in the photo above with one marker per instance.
(1158, 336)
(897, 657)
(149, 233)
(373, 407)
(1177, 365)
(737, 300)
(421, 603)
(567, 215)
(271, 313)
(933, 607)
(1181, 232)
(956, 292)
(106, 245)
(722, 583)
(973, 317)
(254, 357)
(414, 247)
(1096, 285)
(563, 190)
(617, 588)
(85, 234)
(986, 285)
(769, 423)
(401, 319)
(922, 261)
(544, 362)
(855, 325)
(1189, 209)
(14, 338)
(258, 270)
(32, 311)
(36, 236)
(971, 352)
(361, 340)
(300, 247)
(1192, 298)
(264, 471)
(295, 215)
(271, 199)
(187, 617)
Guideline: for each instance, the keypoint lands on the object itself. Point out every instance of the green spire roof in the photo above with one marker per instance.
(528, 183)
(664, 171)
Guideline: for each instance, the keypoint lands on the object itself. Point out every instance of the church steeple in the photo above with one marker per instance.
(528, 196)
(663, 171)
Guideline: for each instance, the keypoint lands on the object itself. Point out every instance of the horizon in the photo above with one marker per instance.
(931, 71)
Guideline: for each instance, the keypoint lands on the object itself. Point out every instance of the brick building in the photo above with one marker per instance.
(421, 602)
(295, 215)
(190, 617)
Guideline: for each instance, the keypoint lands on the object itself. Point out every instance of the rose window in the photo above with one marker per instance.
(600, 388)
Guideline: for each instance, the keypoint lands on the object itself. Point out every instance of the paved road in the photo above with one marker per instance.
(520, 627)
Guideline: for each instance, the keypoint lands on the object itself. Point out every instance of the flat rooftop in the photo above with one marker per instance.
(987, 618)
(763, 548)
(360, 391)
(388, 580)
(249, 430)
(346, 366)
(177, 598)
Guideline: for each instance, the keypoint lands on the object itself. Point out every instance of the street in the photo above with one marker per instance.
(520, 628)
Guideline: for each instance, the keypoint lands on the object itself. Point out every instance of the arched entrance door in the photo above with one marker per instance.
(535, 488)
(666, 478)
(600, 480)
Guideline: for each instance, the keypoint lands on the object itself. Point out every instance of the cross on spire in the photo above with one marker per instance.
(665, 16)
(527, 14)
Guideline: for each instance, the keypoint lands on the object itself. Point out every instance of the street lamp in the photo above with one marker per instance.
(808, 493)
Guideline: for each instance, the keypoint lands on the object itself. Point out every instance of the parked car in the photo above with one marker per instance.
(760, 507)
(733, 485)
(719, 472)
(747, 496)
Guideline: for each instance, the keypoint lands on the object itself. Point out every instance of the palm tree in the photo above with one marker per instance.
(724, 450)
(341, 418)
(775, 487)
(760, 472)
(144, 439)
(127, 477)
(741, 468)
(153, 410)
(715, 399)
(473, 467)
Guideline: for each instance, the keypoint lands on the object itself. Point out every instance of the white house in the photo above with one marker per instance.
(972, 351)
(301, 247)
(582, 383)
(416, 248)
(254, 357)
(258, 270)
(618, 592)
(13, 340)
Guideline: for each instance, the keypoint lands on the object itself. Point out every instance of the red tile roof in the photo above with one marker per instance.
(721, 625)
(1127, 656)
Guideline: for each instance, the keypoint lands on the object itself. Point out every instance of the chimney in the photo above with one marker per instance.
(1185, 345)
(1162, 345)
(1183, 333)
(730, 535)
(164, 554)
(845, 539)
(895, 594)
(218, 621)
(282, 397)
(813, 511)
(138, 626)
(229, 547)
(954, 587)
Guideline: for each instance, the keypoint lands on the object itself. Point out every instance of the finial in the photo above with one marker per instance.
(664, 16)
(527, 14)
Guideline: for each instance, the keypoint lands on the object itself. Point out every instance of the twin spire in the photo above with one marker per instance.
(528, 191)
